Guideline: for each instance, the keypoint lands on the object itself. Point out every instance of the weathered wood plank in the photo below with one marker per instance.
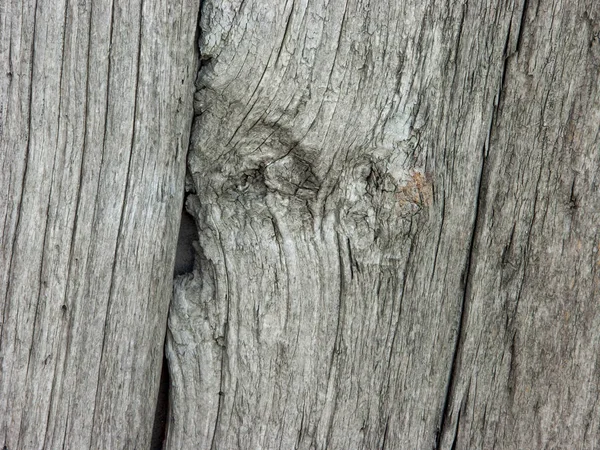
(334, 230)
(528, 373)
(397, 209)
(378, 185)
(96, 109)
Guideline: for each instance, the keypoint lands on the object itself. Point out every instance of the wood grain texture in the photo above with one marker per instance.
(96, 105)
(398, 244)
(527, 366)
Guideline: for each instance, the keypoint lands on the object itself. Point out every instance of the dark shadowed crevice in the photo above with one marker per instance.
(185, 255)
(521, 25)
(184, 263)
(159, 429)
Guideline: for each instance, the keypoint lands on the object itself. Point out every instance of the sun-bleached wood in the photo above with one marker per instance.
(398, 228)
(398, 224)
(95, 112)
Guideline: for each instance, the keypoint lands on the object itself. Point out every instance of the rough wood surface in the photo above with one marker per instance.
(398, 228)
(95, 113)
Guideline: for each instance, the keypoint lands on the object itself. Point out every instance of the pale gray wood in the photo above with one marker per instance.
(398, 243)
(397, 208)
(528, 373)
(96, 106)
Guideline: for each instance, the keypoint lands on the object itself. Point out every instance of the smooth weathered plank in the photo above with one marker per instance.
(378, 186)
(96, 109)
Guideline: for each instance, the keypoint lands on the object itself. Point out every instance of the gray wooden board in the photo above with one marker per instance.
(96, 107)
(398, 228)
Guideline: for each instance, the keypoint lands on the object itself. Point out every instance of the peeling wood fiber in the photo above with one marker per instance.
(398, 228)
